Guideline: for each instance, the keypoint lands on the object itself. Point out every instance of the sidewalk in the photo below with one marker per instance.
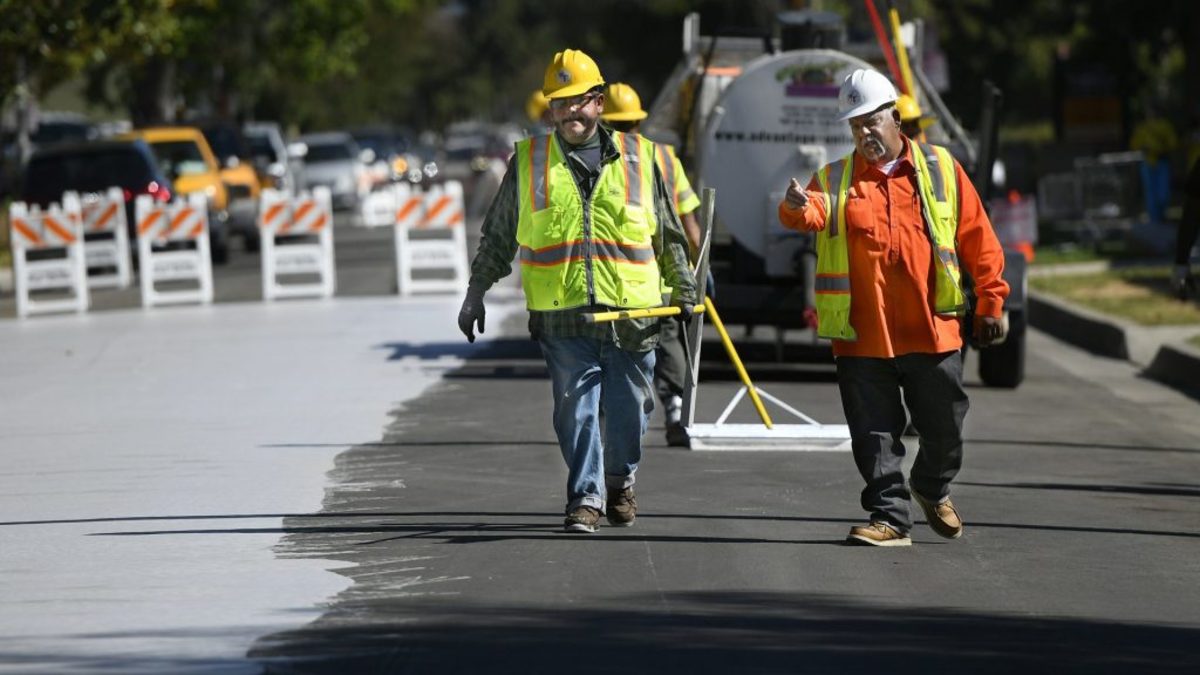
(1162, 352)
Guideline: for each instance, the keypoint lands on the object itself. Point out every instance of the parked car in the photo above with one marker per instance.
(93, 168)
(335, 161)
(239, 177)
(186, 158)
(269, 154)
(386, 146)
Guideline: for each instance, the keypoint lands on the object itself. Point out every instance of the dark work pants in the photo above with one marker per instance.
(670, 363)
(871, 398)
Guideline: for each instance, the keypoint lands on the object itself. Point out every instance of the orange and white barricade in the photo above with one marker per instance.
(379, 207)
(106, 239)
(55, 230)
(173, 246)
(287, 226)
(431, 237)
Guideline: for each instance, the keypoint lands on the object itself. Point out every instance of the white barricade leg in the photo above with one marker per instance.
(271, 207)
(143, 210)
(403, 267)
(461, 271)
(121, 236)
(325, 234)
(20, 281)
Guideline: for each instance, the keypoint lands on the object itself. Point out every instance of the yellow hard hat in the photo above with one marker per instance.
(571, 73)
(622, 104)
(911, 110)
(536, 106)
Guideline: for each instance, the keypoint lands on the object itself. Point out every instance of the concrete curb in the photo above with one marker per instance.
(1160, 352)
(1177, 365)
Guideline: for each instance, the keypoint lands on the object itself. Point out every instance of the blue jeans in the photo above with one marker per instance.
(587, 376)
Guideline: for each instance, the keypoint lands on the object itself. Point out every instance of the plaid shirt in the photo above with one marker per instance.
(498, 247)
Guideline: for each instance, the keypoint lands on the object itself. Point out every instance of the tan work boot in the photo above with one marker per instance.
(582, 519)
(942, 516)
(876, 533)
(622, 507)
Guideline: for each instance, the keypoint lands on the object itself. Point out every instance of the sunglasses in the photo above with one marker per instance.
(571, 102)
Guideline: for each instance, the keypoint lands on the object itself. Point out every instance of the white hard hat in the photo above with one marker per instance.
(864, 91)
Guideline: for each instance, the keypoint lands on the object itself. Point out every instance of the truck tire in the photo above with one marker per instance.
(1003, 365)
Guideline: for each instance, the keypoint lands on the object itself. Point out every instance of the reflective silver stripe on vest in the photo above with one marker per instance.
(935, 172)
(948, 256)
(832, 284)
(539, 149)
(605, 250)
(668, 170)
(633, 170)
(834, 187)
(686, 195)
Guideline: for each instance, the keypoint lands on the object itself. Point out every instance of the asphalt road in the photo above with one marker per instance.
(1079, 492)
(1080, 553)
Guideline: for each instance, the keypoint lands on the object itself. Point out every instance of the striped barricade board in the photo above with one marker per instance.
(297, 239)
(106, 239)
(173, 247)
(431, 240)
(55, 239)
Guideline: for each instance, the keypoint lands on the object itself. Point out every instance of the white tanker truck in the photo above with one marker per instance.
(747, 116)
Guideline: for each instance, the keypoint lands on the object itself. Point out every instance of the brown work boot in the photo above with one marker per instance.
(622, 507)
(942, 516)
(876, 533)
(582, 519)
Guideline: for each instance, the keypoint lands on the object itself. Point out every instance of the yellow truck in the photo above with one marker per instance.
(185, 157)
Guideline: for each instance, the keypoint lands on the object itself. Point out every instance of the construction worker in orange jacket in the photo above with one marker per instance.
(894, 220)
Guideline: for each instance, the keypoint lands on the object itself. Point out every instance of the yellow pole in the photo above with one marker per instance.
(737, 362)
(901, 52)
(603, 317)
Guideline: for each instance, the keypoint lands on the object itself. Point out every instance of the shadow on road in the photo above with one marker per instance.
(1155, 489)
(717, 632)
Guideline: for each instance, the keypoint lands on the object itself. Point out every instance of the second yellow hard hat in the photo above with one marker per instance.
(536, 105)
(622, 104)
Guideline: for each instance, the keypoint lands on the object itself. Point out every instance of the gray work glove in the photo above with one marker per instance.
(1182, 282)
(685, 309)
(472, 312)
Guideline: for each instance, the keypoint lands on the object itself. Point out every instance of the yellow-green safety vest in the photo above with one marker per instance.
(572, 254)
(686, 200)
(937, 186)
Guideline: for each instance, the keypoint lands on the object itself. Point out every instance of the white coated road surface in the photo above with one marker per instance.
(226, 417)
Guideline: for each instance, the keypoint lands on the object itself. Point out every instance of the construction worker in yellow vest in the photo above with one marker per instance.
(589, 216)
(623, 112)
(537, 109)
(913, 122)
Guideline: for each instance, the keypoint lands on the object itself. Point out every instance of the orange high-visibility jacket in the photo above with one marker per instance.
(891, 260)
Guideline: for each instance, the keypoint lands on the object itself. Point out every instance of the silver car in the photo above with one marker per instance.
(335, 161)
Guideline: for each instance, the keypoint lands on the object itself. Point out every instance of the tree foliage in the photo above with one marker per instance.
(324, 63)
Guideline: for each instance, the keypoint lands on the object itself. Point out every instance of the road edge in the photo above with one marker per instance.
(1174, 363)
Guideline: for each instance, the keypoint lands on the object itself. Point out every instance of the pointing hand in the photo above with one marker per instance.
(796, 197)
